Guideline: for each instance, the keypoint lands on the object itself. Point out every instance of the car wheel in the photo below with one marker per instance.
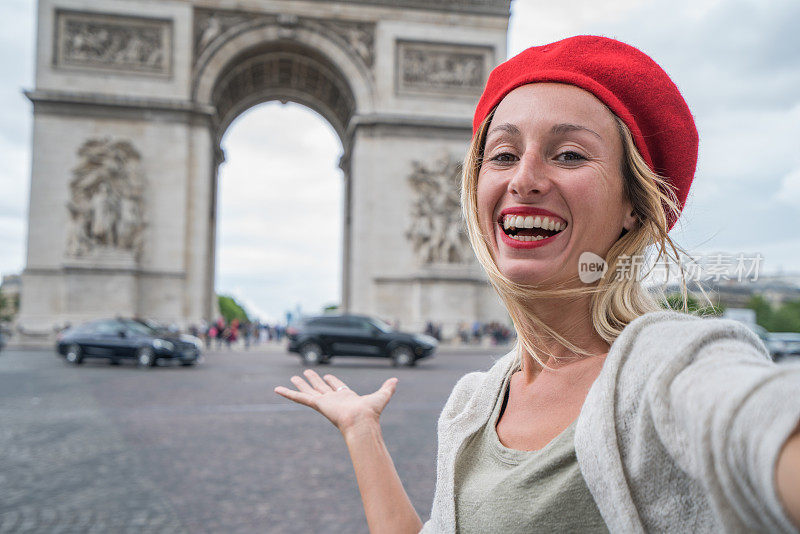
(145, 357)
(402, 356)
(311, 353)
(74, 354)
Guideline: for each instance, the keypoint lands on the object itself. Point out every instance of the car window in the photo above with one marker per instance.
(382, 326)
(107, 328)
(358, 322)
(334, 322)
(139, 328)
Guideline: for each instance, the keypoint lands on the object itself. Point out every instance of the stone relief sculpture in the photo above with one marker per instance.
(105, 204)
(212, 25)
(358, 36)
(436, 228)
(426, 68)
(120, 43)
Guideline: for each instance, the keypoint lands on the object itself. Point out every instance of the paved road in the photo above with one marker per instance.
(99, 448)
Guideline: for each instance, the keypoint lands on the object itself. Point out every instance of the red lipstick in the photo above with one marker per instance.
(525, 211)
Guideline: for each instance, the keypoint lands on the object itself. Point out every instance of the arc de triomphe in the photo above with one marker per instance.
(132, 98)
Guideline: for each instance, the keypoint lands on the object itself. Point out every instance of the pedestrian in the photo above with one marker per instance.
(609, 414)
(211, 333)
(221, 329)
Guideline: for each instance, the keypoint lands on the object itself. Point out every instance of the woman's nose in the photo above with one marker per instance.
(529, 179)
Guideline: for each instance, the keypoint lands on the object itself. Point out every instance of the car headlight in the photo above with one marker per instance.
(425, 340)
(194, 340)
(163, 344)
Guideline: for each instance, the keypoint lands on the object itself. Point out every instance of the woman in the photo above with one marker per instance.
(609, 414)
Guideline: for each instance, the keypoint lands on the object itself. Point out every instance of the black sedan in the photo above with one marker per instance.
(118, 339)
(318, 339)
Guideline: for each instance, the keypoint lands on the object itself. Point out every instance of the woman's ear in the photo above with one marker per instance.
(630, 219)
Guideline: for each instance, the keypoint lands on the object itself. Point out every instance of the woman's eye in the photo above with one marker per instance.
(504, 157)
(570, 156)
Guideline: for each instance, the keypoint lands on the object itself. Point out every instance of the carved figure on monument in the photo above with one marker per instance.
(105, 204)
(105, 41)
(436, 230)
(211, 29)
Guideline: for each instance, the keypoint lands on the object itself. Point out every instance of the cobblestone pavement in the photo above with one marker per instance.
(102, 448)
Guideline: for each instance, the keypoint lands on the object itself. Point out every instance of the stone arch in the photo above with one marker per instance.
(167, 78)
(282, 71)
(275, 62)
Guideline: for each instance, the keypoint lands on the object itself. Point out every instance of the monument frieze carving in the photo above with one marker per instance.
(112, 42)
(213, 26)
(106, 199)
(482, 7)
(436, 230)
(357, 36)
(441, 69)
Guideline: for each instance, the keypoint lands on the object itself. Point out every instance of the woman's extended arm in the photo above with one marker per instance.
(787, 478)
(386, 504)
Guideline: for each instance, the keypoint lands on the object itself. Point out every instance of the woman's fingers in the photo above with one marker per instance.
(303, 386)
(301, 398)
(334, 382)
(389, 386)
(319, 384)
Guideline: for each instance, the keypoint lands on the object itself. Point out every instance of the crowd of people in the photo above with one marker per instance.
(476, 334)
(230, 333)
(245, 334)
(496, 333)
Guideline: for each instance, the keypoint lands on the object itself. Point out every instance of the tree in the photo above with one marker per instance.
(230, 309)
(9, 306)
(783, 318)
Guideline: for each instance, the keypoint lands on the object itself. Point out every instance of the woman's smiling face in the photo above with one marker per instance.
(552, 160)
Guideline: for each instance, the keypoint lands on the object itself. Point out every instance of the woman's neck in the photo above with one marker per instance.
(572, 319)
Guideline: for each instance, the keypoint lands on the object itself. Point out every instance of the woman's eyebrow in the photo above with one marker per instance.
(505, 127)
(567, 127)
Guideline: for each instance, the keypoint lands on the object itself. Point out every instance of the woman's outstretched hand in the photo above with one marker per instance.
(332, 398)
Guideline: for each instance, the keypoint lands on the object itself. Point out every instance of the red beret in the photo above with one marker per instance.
(626, 80)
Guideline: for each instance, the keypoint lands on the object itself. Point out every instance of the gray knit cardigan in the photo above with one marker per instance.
(679, 433)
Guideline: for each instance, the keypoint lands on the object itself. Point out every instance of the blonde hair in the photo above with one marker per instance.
(615, 301)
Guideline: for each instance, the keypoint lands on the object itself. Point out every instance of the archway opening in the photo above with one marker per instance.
(281, 200)
(280, 212)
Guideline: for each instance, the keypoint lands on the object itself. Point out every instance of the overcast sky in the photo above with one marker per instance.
(737, 63)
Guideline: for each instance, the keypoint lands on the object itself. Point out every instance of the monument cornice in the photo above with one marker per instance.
(410, 124)
(60, 102)
(499, 8)
(93, 269)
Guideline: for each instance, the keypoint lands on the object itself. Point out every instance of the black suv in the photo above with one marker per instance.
(317, 339)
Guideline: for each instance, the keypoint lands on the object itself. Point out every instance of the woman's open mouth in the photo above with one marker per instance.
(527, 231)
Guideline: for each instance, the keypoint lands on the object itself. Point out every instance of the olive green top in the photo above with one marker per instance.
(498, 489)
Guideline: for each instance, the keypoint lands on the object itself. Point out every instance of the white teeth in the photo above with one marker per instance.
(527, 237)
(519, 221)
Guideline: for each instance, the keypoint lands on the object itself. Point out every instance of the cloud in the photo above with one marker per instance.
(789, 192)
(737, 65)
(280, 211)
